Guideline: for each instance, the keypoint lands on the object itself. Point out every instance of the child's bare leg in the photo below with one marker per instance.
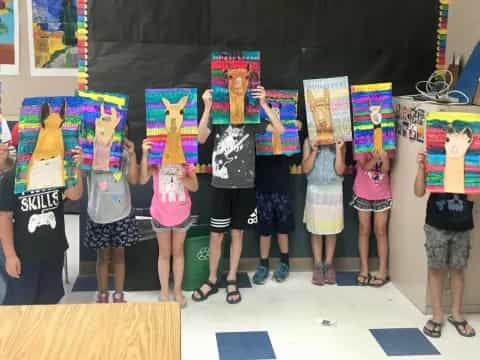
(364, 229)
(103, 261)
(317, 248)
(235, 254)
(457, 286)
(164, 254)
(214, 253)
(283, 243)
(436, 278)
(178, 238)
(380, 228)
(118, 255)
(265, 243)
(331, 241)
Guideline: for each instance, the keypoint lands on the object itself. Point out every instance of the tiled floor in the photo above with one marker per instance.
(292, 314)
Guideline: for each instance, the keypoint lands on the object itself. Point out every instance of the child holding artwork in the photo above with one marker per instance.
(372, 194)
(111, 224)
(32, 232)
(233, 185)
(170, 210)
(448, 226)
(323, 216)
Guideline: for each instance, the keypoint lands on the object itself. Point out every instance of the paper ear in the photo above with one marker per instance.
(115, 117)
(183, 101)
(102, 109)
(166, 102)
(45, 113)
(467, 131)
(63, 109)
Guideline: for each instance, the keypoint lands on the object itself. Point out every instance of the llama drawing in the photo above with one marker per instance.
(173, 153)
(319, 104)
(276, 138)
(104, 129)
(238, 80)
(376, 118)
(46, 167)
(456, 146)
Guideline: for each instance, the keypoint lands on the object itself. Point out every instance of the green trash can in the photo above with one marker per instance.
(196, 248)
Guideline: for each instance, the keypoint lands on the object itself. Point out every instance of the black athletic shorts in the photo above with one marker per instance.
(231, 208)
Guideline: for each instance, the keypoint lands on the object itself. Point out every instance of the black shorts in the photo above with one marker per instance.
(275, 214)
(39, 284)
(231, 208)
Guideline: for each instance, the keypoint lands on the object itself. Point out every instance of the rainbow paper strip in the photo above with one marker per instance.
(82, 43)
(286, 102)
(437, 123)
(92, 105)
(362, 97)
(339, 106)
(156, 130)
(29, 128)
(442, 34)
(221, 61)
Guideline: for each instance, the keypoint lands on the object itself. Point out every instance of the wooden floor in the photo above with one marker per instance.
(87, 332)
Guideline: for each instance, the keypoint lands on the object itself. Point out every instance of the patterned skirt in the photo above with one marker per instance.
(121, 233)
(323, 213)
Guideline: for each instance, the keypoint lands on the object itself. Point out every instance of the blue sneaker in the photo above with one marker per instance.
(281, 273)
(261, 275)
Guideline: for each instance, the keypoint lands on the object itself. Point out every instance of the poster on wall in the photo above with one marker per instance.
(9, 37)
(284, 104)
(453, 152)
(52, 27)
(103, 130)
(234, 75)
(48, 133)
(373, 118)
(327, 104)
(172, 126)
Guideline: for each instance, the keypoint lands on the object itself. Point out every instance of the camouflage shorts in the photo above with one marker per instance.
(447, 249)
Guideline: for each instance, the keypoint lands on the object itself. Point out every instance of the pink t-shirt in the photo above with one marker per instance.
(171, 203)
(371, 185)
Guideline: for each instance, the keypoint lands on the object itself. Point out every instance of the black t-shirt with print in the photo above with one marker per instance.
(272, 174)
(451, 212)
(39, 224)
(233, 156)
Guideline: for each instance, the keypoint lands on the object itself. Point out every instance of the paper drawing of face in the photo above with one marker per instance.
(238, 80)
(173, 153)
(104, 130)
(46, 168)
(457, 143)
(375, 114)
(319, 104)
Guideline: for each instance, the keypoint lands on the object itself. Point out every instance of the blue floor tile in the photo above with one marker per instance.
(404, 342)
(248, 345)
(346, 278)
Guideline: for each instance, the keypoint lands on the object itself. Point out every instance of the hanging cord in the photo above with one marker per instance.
(437, 89)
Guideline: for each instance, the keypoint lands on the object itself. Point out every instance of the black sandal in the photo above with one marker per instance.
(230, 294)
(433, 329)
(363, 280)
(205, 296)
(380, 283)
(462, 325)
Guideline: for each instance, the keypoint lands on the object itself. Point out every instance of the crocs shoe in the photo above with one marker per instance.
(281, 273)
(318, 277)
(261, 275)
(102, 298)
(118, 297)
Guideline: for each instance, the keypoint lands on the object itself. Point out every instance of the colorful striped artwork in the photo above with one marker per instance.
(234, 75)
(114, 107)
(44, 154)
(327, 104)
(442, 34)
(373, 118)
(172, 126)
(453, 152)
(82, 43)
(284, 103)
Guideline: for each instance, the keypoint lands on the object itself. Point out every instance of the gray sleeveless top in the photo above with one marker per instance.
(323, 172)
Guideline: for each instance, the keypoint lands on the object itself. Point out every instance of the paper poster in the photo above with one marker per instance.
(172, 126)
(52, 31)
(327, 104)
(284, 103)
(234, 75)
(103, 130)
(453, 152)
(373, 118)
(9, 37)
(48, 132)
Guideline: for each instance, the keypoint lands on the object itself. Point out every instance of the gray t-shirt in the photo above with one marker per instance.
(109, 195)
(233, 157)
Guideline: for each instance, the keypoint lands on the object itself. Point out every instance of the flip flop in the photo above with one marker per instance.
(380, 283)
(230, 294)
(363, 280)
(204, 296)
(433, 329)
(461, 325)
